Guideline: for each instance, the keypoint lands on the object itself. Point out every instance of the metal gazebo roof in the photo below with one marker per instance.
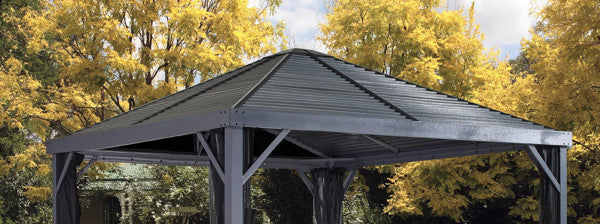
(364, 114)
(336, 114)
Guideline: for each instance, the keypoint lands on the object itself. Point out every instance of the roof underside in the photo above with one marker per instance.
(314, 84)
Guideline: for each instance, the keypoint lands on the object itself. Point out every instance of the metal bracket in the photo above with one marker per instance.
(306, 181)
(541, 165)
(349, 179)
(63, 173)
(265, 154)
(211, 156)
(86, 167)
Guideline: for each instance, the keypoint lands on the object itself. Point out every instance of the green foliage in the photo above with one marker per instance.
(177, 193)
(286, 199)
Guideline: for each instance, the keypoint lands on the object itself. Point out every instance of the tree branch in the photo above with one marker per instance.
(114, 99)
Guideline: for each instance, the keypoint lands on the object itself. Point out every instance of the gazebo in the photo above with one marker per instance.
(304, 110)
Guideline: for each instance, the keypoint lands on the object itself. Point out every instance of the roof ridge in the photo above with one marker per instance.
(360, 86)
(225, 79)
(438, 92)
(262, 80)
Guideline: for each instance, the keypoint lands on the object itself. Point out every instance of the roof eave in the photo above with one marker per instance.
(398, 127)
(138, 133)
(243, 117)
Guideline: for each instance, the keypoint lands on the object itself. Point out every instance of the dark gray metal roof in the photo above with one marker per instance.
(337, 112)
(305, 81)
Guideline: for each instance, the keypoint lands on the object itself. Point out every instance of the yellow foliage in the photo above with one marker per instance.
(116, 55)
(18, 93)
(37, 194)
(564, 51)
(439, 49)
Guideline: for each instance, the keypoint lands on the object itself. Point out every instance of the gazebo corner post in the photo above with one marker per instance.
(234, 175)
(563, 184)
(328, 194)
(55, 175)
(65, 198)
(223, 147)
(552, 165)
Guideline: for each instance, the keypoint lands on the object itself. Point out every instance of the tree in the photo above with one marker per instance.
(440, 49)
(285, 199)
(564, 52)
(116, 55)
(65, 65)
(174, 190)
(24, 166)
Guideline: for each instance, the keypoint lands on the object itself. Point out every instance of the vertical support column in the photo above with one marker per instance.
(220, 139)
(217, 212)
(65, 198)
(234, 175)
(551, 199)
(248, 153)
(563, 185)
(328, 195)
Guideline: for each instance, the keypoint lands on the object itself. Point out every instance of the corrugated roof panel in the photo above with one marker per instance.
(303, 85)
(424, 104)
(222, 96)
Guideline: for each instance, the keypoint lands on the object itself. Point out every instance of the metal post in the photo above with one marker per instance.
(563, 185)
(248, 152)
(550, 212)
(65, 198)
(234, 175)
(55, 175)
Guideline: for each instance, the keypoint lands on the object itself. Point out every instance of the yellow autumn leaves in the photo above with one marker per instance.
(422, 42)
(112, 56)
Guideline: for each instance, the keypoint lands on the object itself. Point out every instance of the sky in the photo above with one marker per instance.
(504, 22)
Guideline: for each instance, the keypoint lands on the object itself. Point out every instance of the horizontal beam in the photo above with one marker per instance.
(397, 127)
(308, 163)
(305, 122)
(137, 133)
(431, 154)
(189, 159)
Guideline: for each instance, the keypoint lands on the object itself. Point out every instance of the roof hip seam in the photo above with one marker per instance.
(360, 86)
(438, 92)
(262, 81)
(209, 88)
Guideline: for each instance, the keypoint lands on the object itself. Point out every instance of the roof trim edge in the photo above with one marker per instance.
(397, 127)
(138, 133)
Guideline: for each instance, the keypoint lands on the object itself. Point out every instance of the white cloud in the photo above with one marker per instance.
(301, 19)
(504, 22)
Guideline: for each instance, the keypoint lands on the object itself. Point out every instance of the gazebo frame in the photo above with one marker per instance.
(222, 139)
